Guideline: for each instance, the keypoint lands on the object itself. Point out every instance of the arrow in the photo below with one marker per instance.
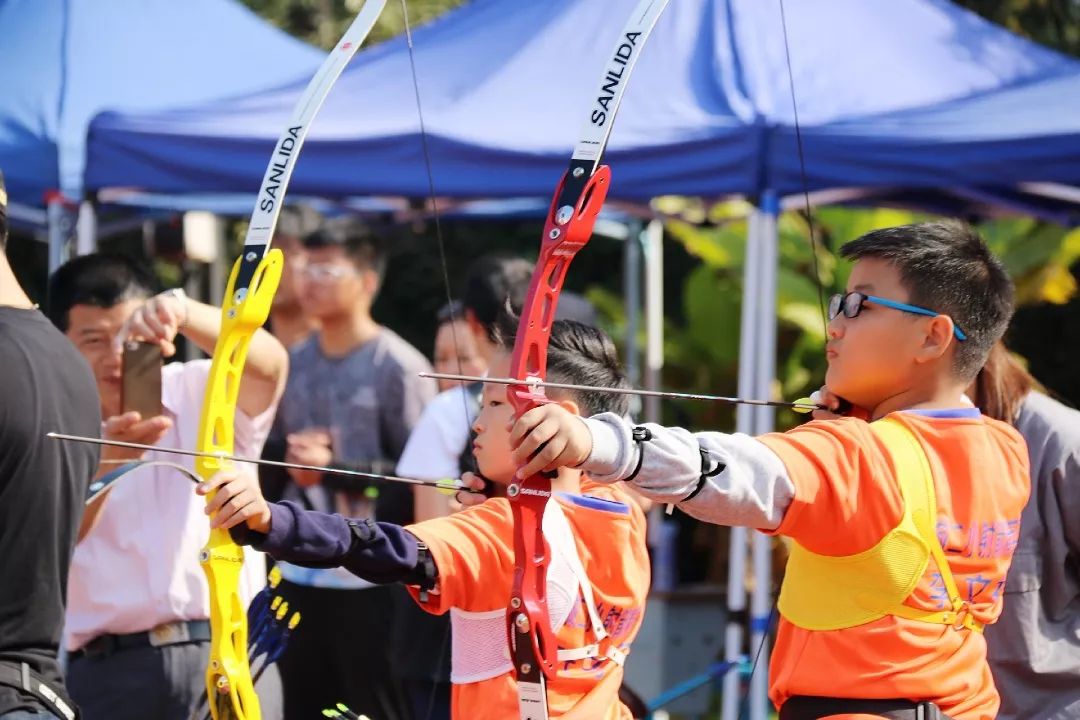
(442, 484)
(803, 405)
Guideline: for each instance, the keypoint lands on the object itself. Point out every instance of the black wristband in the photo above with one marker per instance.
(706, 473)
(639, 435)
(426, 571)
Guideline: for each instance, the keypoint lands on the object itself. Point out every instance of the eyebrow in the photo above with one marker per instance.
(93, 331)
(863, 288)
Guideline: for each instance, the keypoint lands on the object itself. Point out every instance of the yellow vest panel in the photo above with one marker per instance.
(822, 592)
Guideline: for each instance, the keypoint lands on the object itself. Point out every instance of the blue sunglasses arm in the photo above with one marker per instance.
(914, 309)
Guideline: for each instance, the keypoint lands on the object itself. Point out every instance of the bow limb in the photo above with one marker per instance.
(569, 225)
(248, 297)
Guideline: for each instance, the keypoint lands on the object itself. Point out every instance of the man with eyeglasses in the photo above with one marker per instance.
(351, 401)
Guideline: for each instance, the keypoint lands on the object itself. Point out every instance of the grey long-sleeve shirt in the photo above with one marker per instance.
(1034, 648)
(753, 488)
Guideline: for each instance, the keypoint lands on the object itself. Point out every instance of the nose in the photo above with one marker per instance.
(835, 329)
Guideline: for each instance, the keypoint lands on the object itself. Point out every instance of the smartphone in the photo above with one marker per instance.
(141, 385)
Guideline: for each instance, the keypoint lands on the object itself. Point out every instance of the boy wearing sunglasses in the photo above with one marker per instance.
(903, 523)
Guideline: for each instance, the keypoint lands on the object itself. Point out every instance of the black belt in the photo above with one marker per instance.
(21, 677)
(805, 707)
(166, 634)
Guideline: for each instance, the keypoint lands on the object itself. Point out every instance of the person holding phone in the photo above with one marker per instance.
(45, 386)
(138, 603)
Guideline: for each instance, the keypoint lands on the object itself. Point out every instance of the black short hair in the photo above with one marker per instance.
(450, 312)
(100, 280)
(494, 284)
(581, 354)
(946, 267)
(360, 244)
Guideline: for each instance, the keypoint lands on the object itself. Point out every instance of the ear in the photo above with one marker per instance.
(570, 406)
(474, 325)
(370, 281)
(938, 339)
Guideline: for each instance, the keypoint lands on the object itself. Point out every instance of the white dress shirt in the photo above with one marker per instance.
(139, 566)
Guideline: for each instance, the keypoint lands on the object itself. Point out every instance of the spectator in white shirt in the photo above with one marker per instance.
(138, 601)
(456, 351)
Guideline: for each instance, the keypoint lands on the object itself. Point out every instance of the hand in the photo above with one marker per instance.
(308, 447)
(469, 499)
(238, 499)
(832, 401)
(547, 438)
(157, 320)
(130, 427)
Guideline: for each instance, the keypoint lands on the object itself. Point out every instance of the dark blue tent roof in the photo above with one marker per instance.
(916, 93)
(66, 60)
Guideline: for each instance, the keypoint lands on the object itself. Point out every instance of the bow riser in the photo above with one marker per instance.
(569, 227)
(228, 677)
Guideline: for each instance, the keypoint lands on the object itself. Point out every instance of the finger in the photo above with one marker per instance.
(472, 481)
(527, 446)
(120, 423)
(151, 430)
(466, 500)
(521, 427)
(232, 510)
(151, 321)
(137, 328)
(233, 489)
(217, 480)
(543, 458)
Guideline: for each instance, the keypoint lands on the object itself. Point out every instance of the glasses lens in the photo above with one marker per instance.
(834, 305)
(853, 304)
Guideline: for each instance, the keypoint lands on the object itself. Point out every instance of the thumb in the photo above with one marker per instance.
(473, 481)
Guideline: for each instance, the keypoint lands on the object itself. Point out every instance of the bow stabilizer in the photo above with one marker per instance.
(252, 284)
(574, 208)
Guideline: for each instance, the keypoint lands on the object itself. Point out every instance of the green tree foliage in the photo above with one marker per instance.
(1055, 23)
(322, 22)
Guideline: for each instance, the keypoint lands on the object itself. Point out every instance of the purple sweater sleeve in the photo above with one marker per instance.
(376, 551)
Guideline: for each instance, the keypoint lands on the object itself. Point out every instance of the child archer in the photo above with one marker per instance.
(903, 527)
(463, 564)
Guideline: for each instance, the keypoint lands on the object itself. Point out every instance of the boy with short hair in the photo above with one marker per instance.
(903, 527)
(464, 562)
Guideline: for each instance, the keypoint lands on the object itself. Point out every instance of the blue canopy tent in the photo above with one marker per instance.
(890, 94)
(904, 96)
(66, 60)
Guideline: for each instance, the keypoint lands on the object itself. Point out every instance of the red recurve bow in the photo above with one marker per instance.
(569, 225)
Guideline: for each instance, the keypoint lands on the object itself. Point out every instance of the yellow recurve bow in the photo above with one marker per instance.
(251, 288)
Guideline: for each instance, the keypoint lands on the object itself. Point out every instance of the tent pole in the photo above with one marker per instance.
(86, 229)
(744, 422)
(764, 421)
(632, 305)
(653, 239)
(59, 218)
